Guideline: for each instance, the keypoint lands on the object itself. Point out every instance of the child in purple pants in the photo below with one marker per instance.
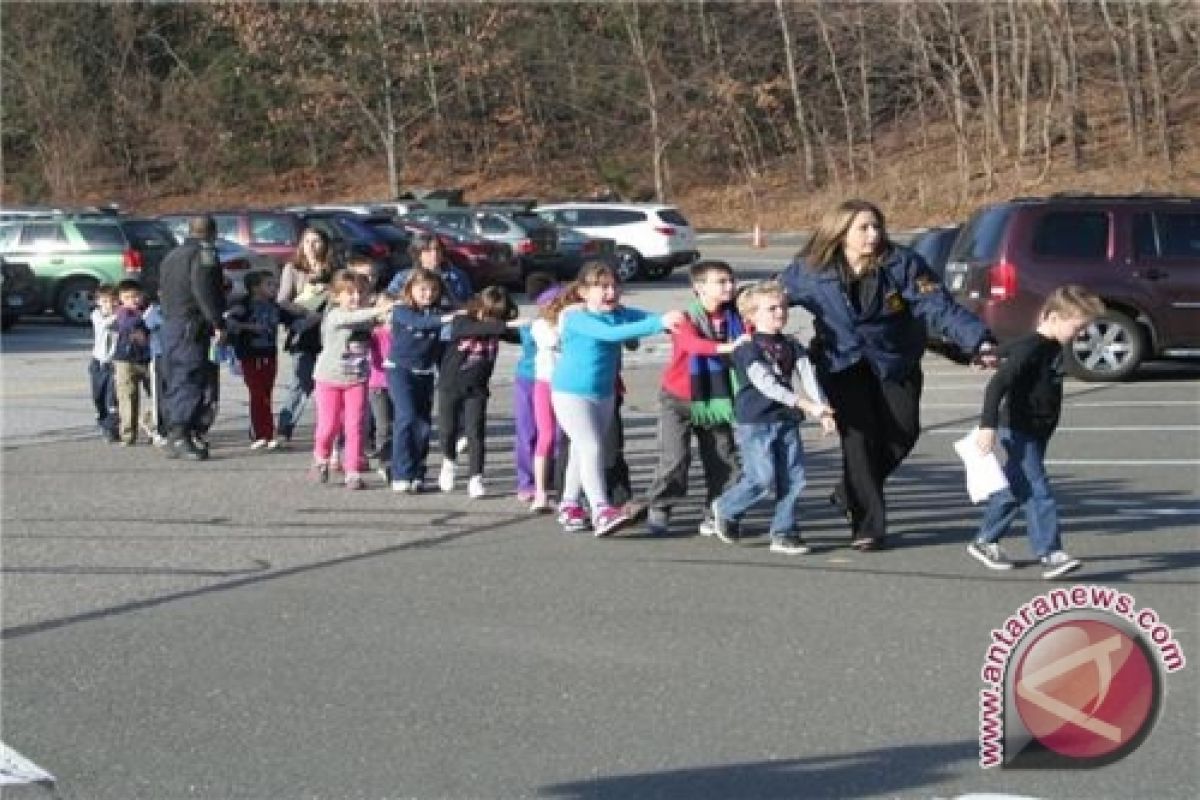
(541, 288)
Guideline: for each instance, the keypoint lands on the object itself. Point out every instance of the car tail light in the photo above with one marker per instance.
(526, 247)
(132, 260)
(378, 250)
(236, 264)
(665, 230)
(1002, 281)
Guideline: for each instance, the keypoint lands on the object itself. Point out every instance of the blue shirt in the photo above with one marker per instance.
(528, 353)
(888, 331)
(591, 348)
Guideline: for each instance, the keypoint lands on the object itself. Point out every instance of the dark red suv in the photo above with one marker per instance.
(1141, 254)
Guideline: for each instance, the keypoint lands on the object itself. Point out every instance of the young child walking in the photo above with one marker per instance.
(583, 395)
(416, 349)
(254, 330)
(467, 365)
(341, 377)
(534, 367)
(696, 397)
(131, 363)
(767, 416)
(100, 367)
(379, 402)
(1023, 401)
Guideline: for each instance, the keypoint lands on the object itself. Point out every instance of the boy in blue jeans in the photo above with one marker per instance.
(1031, 381)
(767, 416)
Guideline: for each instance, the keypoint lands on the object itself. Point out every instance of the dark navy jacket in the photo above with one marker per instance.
(416, 343)
(890, 330)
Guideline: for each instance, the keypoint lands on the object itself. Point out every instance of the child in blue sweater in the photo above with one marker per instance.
(767, 413)
(583, 387)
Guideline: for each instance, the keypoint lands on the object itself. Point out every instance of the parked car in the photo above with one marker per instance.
(351, 236)
(933, 244)
(274, 234)
(577, 248)
(651, 240)
(70, 257)
(533, 241)
(486, 263)
(18, 293)
(1140, 254)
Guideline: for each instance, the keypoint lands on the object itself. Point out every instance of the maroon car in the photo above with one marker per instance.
(1140, 254)
(270, 233)
(486, 263)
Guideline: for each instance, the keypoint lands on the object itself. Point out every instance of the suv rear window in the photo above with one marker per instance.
(671, 216)
(1169, 235)
(146, 233)
(1072, 234)
(980, 239)
(101, 237)
(601, 217)
(272, 229)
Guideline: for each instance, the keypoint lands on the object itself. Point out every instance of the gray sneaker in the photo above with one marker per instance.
(989, 554)
(1058, 564)
(658, 521)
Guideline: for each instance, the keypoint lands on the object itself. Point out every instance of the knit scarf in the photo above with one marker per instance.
(712, 383)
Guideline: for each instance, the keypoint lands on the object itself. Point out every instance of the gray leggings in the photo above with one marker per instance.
(585, 420)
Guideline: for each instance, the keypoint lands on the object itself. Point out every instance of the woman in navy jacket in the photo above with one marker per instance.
(871, 301)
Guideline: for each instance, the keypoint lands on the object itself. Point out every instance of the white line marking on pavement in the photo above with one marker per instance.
(1126, 507)
(1124, 462)
(1086, 428)
(16, 768)
(1074, 404)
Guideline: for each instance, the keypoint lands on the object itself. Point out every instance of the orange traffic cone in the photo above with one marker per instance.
(759, 239)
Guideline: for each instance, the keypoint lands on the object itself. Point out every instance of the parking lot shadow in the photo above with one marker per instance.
(871, 773)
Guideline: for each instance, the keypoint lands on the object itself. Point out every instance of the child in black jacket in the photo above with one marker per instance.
(467, 365)
(1031, 380)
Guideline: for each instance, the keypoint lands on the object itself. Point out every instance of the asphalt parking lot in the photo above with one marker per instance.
(224, 630)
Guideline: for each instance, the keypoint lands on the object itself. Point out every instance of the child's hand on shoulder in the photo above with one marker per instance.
(985, 440)
(671, 320)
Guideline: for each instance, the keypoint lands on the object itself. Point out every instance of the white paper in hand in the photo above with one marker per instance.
(985, 476)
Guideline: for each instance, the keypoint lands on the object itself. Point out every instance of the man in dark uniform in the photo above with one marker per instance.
(191, 292)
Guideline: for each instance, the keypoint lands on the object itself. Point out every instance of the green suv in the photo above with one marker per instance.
(71, 256)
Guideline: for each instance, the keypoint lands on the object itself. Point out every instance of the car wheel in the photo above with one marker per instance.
(628, 263)
(75, 300)
(1109, 349)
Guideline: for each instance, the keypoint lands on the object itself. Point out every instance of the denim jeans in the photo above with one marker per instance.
(412, 412)
(772, 462)
(299, 390)
(1028, 486)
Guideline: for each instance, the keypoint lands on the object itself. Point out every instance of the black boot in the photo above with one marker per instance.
(182, 446)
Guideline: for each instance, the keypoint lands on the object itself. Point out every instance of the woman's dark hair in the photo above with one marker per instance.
(424, 240)
(321, 271)
(493, 302)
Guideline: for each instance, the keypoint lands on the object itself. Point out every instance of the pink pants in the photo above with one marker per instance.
(340, 409)
(543, 420)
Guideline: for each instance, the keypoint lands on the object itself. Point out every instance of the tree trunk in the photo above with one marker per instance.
(1123, 75)
(843, 98)
(657, 144)
(864, 77)
(1133, 48)
(809, 162)
(1158, 93)
(431, 84)
(389, 115)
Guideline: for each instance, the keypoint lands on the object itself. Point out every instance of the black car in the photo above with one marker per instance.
(150, 240)
(933, 244)
(18, 293)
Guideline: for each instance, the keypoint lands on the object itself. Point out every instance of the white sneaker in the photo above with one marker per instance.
(272, 444)
(461, 445)
(416, 487)
(1058, 564)
(446, 476)
(475, 487)
(258, 444)
(400, 486)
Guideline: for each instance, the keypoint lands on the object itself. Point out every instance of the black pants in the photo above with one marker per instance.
(104, 395)
(878, 422)
(463, 410)
(191, 378)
